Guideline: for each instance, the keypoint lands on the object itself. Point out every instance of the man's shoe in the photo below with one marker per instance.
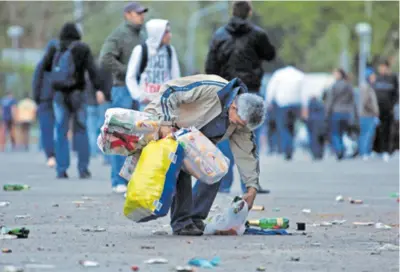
(51, 162)
(62, 175)
(189, 230)
(200, 225)
(119, 189)
(263, 191)
(85, 175)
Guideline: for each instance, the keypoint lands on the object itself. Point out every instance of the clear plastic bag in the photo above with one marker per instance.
(231, 222)
(203, 160)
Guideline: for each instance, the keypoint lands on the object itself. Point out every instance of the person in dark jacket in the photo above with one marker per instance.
(316, 127)
(341, 110)
(69, 101)
(43, 96)
(238, 49)
(386, 87)
(114, 57)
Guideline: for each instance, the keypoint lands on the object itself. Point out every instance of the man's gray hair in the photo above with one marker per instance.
(252, 109)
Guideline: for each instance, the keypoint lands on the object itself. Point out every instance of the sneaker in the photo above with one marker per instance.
(62, 175)
(85, 175)
(51, 162)
(119, 189)
(365, 158)
(189, 230)
(385, 157)
(200, 225)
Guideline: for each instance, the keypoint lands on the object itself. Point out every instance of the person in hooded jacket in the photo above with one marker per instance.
(341, 111)
(238, 49)
(162, 63)
(69, 101)
(43, 96)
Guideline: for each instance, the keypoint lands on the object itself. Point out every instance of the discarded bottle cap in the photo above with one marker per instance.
(356, 201)
(301, 226)
(135, 268)
(6, 250)
(257, 208)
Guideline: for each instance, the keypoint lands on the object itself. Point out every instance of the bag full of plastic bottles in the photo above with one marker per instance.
(203, 160)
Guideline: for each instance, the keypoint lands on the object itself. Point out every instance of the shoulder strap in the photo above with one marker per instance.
(169, 50)
(143, 62)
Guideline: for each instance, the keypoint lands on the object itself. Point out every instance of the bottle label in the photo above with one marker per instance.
(279, 221)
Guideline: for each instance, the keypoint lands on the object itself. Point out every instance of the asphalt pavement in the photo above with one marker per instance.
(58, 211)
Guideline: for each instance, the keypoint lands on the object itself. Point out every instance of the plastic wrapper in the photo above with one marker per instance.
(231, 222)
(153, 183)
(203, 159)
(129, 166)
(126, 131)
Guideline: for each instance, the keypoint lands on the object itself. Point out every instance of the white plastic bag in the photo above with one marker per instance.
(231, 222)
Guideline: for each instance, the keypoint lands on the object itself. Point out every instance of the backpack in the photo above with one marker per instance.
(144, 59)
(64, 69)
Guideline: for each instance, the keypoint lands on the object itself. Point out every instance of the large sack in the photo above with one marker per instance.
(203, 159)
(153, 182)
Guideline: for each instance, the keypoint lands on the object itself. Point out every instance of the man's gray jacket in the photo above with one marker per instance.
(193, 101)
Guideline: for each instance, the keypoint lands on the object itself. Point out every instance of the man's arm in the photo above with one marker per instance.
(109, 56)
(37, 81)
(246, 158)
(265, 49)
(212, 66)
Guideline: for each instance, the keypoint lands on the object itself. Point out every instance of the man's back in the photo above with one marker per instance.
(237, 50)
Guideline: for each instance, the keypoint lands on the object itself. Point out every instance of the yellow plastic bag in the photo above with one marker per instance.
(153, 183)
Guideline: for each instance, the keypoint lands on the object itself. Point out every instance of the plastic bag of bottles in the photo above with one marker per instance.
(153, 183)
(203, 159)
(231, 222)
(126, 131)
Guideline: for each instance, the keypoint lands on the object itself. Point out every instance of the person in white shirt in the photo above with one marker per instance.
(152, 63)
(285, 89)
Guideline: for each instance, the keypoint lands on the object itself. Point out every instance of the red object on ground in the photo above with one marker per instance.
(398, 199)
(135, 268)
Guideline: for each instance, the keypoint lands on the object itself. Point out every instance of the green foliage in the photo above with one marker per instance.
(22, 78)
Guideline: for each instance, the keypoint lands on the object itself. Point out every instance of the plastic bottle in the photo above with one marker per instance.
(15, 187)
(270, 223)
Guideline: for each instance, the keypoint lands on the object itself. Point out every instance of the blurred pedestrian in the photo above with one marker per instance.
(43, 95)
(238, 50)
(316, 127)
(68, 64)
(369, 117)
(114, 57)
(272, 129)
(386, 87)
(341, 111)
(285, 88)
(9, 110)
(152, 63)
(25, 117)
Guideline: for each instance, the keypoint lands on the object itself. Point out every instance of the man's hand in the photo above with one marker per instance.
(100, 98)
(250, 196)
(165, 131)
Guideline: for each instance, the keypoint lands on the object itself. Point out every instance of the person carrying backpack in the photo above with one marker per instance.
(152, 63)
(68, 64)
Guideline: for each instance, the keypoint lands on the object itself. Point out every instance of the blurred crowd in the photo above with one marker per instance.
(71, 92)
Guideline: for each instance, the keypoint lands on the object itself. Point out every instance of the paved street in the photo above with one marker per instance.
(57, 238)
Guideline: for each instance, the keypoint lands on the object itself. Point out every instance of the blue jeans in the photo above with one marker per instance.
(63, 113)
(285, 122)
(46, 124)
(92, 128)
(367, 134)
(189, 205)
(120, 99)
(338, 123)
